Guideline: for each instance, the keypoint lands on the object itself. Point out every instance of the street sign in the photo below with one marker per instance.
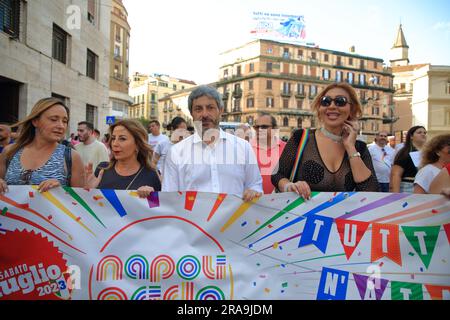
(110, 120)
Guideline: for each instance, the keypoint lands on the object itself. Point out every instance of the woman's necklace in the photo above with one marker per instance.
(332, 136)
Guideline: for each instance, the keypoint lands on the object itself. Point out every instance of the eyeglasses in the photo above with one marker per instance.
(26, 175)
(339, 101)
(263, 126)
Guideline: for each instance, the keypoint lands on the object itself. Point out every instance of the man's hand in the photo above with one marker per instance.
(249, 195)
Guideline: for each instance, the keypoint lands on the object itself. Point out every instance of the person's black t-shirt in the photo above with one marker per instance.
(112, 180)
(409, 169)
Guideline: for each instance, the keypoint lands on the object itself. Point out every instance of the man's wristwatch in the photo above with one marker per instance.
(354, 155)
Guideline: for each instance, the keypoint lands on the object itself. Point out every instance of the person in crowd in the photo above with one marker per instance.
(156, 138)
(382, 159)
(5, 136)
(441, 183)
(404, 170)
(333, 160)
(435, 156)
(130, 167)
(90, 149)
(74, 139)
(211, 160)
(268, 148)
(105, 141)
(37, 157)
(97, 134)
(178, 129)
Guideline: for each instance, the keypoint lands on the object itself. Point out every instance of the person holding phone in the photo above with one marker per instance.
(331, 158)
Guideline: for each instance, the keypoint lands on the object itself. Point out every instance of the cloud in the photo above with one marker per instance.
(442, 25)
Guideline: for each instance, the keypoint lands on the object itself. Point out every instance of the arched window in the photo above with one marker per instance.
(285, 122)
(300, 122)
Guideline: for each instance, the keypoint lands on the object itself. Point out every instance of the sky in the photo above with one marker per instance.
(184, 38)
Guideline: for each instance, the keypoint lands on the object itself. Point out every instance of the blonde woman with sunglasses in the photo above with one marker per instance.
(332, 158)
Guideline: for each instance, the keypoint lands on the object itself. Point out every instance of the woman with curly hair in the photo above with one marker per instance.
(435, 156)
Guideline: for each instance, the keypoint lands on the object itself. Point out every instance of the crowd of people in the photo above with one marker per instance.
(206, 158)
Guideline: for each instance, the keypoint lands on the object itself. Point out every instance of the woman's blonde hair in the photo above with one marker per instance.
(137, 130)
(27, 130)
(432, 147)
(355, 105)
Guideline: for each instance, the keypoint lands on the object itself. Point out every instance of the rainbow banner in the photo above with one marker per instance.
(111, 245)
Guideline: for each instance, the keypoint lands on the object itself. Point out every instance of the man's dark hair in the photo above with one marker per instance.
(272, 119)
(89, 125)
(154, 121)
(97, 131)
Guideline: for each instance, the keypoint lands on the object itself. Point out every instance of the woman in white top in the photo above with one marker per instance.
(435, 156)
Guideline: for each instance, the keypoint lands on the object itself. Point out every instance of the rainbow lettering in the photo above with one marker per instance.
(109, 265)
(112, 293)
(161, 265)
(136, 267)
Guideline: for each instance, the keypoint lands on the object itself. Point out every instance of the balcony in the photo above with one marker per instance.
(286, 94)
(225, 96)
(237, 93)
(300, 95)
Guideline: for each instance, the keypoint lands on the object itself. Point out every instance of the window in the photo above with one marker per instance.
(269, 66)
(325, 57)
(238, 70)
(270, 102)
(375, 64)
(225, 73)
(59, 45)
(269, 50)
(10, 17)
(350, 77)
(299, 103)
(285, 103)
(285, 122)
(118, 37)
(326, 74)
(91, 64)
(448, 88)
(251, 67)
(338, 61)
(116, 51)
(286, 88)
(300, 53)
(250, 120)
(250, 102)
(313, 91)
(91, 11)
(286, 53)
(153, 97)
(362, 79)
(300, 123)
(174, 86)
(300, 89)
(350, 61)
(250, 85)
(91, 114)
(361, 64)
(237, 105)
(269, 84)
(313, 55)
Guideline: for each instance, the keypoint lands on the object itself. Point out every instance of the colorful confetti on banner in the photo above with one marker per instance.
(198, 246)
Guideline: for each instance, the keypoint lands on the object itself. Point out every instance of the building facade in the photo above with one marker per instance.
(55, 48)
(176, 105)
(283, 79)
(422, 92)
(119, 61)
(148, 91)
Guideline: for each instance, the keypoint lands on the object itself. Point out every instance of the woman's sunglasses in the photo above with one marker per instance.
(339, 101)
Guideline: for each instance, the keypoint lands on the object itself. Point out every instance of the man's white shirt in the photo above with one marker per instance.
(227, 166)
(162, 141)
(382, 162)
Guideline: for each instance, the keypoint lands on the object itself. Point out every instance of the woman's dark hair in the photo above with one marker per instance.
(408, 147)
(175, 123)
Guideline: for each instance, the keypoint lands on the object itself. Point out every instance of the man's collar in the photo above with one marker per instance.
(222, 136)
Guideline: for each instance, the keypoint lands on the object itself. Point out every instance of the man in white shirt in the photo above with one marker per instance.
(211, 160)
(90, 149)
(382, 159)
(156, 138)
